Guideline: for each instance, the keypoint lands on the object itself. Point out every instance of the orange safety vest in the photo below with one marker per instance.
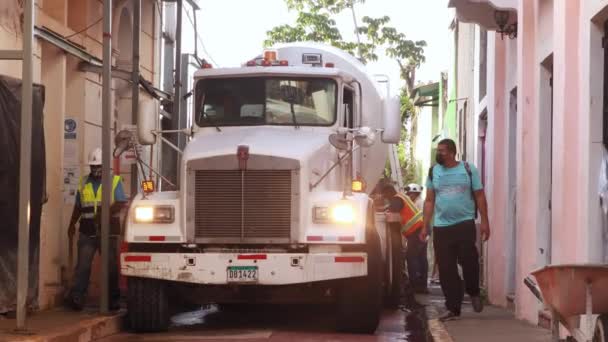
(411, 216)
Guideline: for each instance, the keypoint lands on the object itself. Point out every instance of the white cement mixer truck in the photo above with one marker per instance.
(273, 203)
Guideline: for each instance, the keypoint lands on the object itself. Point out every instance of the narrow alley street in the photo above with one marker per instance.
(160, 155)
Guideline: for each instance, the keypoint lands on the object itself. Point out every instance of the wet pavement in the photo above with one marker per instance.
(62, 325)
(278, 323)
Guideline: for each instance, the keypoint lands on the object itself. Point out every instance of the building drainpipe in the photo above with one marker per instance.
(106, 178)
(177, 99)
(25, 163)
(135, 82)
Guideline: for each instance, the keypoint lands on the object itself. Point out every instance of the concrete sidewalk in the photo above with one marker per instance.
(63, 326)
(494, 324)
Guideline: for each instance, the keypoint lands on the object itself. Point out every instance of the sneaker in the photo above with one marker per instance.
(73, 303)
(448, 316)
(477, 303)
(114, 306)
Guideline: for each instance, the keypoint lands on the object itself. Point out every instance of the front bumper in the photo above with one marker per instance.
(273, 268)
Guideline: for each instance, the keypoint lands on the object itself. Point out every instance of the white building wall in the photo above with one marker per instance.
(424, 141)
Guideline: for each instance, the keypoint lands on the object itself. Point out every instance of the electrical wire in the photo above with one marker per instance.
(84, 29)
(352, 7)
(200, 40)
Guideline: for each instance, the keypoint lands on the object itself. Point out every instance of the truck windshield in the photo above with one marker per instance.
(265, 101)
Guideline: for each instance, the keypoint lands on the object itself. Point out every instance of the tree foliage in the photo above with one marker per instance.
(315, 22)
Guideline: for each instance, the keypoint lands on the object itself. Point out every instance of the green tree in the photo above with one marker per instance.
(315, 23)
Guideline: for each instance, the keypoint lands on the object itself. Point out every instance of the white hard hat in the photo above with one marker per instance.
(95, 156)
(413, 187)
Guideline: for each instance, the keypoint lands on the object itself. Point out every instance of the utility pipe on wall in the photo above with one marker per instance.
(25, 163)
(106, 177)
(135, 81)
(177, 99)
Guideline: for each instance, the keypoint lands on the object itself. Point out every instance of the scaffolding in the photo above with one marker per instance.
(91, 63)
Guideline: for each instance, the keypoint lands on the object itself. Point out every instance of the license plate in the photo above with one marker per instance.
(242, 274)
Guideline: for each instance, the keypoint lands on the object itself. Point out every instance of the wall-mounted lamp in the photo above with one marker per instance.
(502, 20)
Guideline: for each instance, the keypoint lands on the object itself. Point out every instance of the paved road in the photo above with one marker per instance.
(274, 323)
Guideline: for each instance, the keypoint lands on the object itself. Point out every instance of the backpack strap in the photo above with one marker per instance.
(467, 167)
(431, 172)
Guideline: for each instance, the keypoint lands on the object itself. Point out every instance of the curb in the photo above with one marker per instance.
(437, 329)
(85, 330)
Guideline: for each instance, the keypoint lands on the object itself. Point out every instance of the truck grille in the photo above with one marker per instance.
(242, 204)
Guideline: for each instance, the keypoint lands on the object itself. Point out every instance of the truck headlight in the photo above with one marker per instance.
(342, 213)
(155, 214)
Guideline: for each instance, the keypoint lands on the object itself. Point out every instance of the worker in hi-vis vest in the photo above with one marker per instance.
(403, 219)
(416, 254)
(87, 211)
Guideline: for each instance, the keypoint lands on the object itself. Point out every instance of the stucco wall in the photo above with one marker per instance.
(528, 150)
(465, 100)
(497, 247)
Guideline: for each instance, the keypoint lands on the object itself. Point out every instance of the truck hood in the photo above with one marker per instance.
(282, 142)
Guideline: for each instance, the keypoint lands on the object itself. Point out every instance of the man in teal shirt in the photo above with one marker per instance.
(454, 195)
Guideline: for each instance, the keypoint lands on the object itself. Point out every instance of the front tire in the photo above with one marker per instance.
(148, 305)
(601, 329)
(394, 267)
(360, 299)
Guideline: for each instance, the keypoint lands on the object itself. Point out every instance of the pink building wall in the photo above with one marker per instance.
(497, 192)
(528, 151)
(566, 242)
(594, 13)
(567, 35)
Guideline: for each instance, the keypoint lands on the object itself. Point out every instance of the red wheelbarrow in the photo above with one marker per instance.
(577, 295)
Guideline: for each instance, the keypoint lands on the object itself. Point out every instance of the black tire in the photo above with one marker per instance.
(360, 299)
(395, 267)
(601, 329)
(148, 305)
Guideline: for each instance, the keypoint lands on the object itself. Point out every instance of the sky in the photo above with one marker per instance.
(233, 31)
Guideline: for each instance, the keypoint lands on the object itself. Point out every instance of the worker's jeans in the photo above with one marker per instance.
(456, 245)
(417, 263)
(87, 247)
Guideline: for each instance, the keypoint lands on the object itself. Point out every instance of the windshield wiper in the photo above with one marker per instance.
(203, 114)
(293, 116)
(211, 121)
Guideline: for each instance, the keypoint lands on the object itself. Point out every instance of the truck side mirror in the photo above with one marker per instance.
(365, 137)
(392, 121)
(147, 120)
(339, 141)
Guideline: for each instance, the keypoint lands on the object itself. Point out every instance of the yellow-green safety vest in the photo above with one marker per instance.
(89, 200)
